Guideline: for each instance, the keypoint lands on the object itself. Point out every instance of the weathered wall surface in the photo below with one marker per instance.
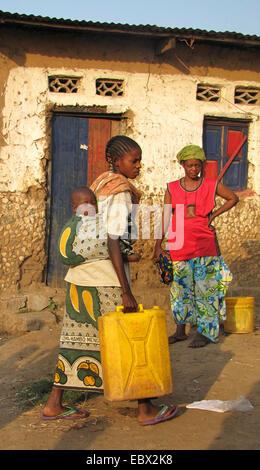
(163, 115)
(22, 231)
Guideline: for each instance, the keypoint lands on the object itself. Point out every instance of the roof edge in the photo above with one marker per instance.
(126, 29)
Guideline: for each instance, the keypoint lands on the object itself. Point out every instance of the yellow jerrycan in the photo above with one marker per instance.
(240, 315)
(135, 354)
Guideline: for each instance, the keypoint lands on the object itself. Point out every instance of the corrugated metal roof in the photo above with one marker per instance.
(136, 30)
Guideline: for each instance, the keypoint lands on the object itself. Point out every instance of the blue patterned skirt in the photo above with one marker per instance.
(198, 291)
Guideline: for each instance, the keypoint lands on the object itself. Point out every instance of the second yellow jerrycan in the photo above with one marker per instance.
(240, 315)
(135, 354)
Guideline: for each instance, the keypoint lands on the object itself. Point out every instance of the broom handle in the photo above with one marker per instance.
(232, 158)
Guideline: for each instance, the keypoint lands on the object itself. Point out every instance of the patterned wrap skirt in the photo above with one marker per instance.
(197, 293)
(79, 363)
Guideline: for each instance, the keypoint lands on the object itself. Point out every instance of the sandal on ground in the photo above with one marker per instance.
(68, 414)
(161, 416)
(175, 339)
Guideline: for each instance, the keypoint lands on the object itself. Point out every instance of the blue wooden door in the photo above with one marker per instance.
(220, 140)
(69, 170)
(78, 157)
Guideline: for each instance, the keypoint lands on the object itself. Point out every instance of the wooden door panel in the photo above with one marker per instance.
(99, 134)
(212, 143)
(236, 175)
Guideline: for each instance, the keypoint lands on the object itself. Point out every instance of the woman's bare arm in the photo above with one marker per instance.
(129, 302)
(230, 197)
(166, 215)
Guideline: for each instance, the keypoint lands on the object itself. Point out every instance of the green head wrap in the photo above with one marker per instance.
(191, 152)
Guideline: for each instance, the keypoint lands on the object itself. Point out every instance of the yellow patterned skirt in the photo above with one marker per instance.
(79, 363)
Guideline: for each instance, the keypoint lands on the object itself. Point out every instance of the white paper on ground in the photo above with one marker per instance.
(241, 404)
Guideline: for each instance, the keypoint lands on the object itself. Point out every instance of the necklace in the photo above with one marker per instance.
(183, 184)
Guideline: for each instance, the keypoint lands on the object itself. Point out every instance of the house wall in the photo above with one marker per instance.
(162, 114)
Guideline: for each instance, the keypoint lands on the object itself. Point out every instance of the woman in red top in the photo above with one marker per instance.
(201, 276)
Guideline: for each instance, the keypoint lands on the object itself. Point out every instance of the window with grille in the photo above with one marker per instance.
(208, 93)
(247, 95)
(64, 84)
(109, 87)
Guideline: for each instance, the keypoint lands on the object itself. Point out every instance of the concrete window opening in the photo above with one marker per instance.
(58, 84)
(208, 93)
(109, 87)
(247, 95)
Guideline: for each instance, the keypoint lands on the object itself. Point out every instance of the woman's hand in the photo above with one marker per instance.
(210, 219)
(129, 302)
(166, 216)
(157, 252)
(135, 257)
(231, 200)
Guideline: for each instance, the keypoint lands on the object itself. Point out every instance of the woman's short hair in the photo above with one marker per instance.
(119, 145)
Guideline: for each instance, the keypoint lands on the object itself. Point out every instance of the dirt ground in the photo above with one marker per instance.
(222, 371)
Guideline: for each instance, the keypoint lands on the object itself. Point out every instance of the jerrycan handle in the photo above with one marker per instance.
(120, 308)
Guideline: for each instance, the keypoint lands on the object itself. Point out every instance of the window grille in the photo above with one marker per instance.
(60, 84)
(247, 95)
(109, 87)
(208, 93)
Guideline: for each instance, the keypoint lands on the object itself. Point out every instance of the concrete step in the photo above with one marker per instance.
(17, 323)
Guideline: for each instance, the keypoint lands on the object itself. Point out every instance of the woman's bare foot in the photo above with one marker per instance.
(179, 335)
(63, 412)
(54, 407)
(151, 414)
(174, 338)
(199, 341)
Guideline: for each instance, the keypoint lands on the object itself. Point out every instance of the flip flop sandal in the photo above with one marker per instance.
(67, 414)
(160, 417)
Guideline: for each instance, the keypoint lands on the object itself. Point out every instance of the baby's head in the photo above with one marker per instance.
(83, 201)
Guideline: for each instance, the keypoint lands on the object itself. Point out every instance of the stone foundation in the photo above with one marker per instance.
(22, 232)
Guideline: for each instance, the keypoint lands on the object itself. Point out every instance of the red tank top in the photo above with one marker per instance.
(190, 237)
